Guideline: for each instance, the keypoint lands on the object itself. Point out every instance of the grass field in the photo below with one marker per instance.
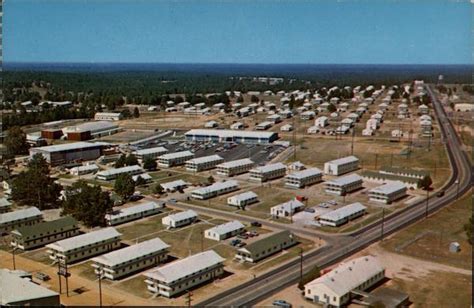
(430, 239)
(143, 227)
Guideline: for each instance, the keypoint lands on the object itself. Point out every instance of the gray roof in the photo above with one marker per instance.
(289, 206)
(4, 202)
(67, 147)
(133, 252)
(236, 163)
(45, 227)
(348, 179)
(184, 267)
(222, 133)
(227, 227)
(182, 215)
(84, 239)
(92, 126)
(205, 159)
(216, 187)
(176, 155)
(343, 212)
(388, 188)
(173, 184)
(19, 214)
(244, 196)
(269, 168)
(305, 173)
(15, 289)
(124, 212)
(151, 151)
(343, 160)
(114, 171)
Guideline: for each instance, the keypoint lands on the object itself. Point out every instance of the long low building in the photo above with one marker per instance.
(235, 167)
(131, 259)
(43, 233)
(215, 189)
(243, 199)
(388, 192)
(335, 288)
(174, 159)
(228, 135)
(182, 275)
(174, 185)
(342, 215)
(133, 213)
(286, 209)
(203, 163)
(113, 173)
(19, 218)
(341, 165)
(179, 219)
(344, 185)
(61, 154)
(152, 153)
(224, 231)
(4, 205)
(90, 130)
(85, 245)
(265, 247)
(303, 178)
(268, 172)
(86, 169)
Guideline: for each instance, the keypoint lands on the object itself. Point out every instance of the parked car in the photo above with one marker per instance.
(310, 210)
(241, 244)
(255, 224)
(172, 201)
(235, 242)
(42, 276)
(243, 236)
(253, 233)
(281, 303)
(332, 202)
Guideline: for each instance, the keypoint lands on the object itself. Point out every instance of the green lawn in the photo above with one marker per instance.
(142, 227)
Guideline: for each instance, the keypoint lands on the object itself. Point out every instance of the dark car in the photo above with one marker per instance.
(281, 303)
(255, 224)
(235, 242)
(440, 194)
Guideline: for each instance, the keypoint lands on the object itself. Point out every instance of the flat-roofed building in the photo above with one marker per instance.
(174, 159)
(303, 178)
(42, 233)
(388, 192)
(152, 153)
(133, 213)
(108, 116)
(226, 135)
(264, 125)
(61, 154)
(224, 231)
(4, 205)
(307, 115)
(90, 130)
(335, 288)
(286, 209)
(179, 219)
(86, 169)
(203, 163)
(342, 215)
(131, 259)
(265, 247)
(85, 245)
(344, 185)
(341, 165)
(182, 275)
(243, 199)
(216, 189)
(113, 173)
(267, 172)
(19, 218)
(235, 167)
(174, 185)
(17, 291)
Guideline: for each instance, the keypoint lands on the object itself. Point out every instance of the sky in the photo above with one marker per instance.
(238, 31)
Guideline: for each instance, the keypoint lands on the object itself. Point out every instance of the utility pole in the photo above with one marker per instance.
(59, 277)
(100, 285)
(67, 283)
(189, 299)
(13, 254)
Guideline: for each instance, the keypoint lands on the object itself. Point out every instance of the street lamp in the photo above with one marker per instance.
(99, 273)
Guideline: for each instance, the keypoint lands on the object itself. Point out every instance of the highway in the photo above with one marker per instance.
(250, 293)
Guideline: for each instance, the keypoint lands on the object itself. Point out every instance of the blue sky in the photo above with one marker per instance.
(233, 31)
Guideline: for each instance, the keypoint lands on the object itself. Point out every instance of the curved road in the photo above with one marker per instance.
(250, 293)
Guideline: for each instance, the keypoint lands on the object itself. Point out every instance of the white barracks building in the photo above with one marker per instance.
(215, 189)
(268, 172)
(182, 275)
(389, 192)
(203, 163)
(179, 219)
(20, 218)
(243, 199)
(224, 231)
(341, 165)
(344, 185)
(132, 213)
(303, 178)
(131, 259)
(174, 159)
(235, 167)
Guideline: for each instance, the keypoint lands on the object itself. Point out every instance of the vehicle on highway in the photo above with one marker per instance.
(281, 303)
(440, 194)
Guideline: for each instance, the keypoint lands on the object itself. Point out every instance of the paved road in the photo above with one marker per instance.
(287, 274)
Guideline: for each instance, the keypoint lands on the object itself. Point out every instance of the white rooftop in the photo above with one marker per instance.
(68, 146)
(92, 126)
(223, 133)
(19, 214)
(205, 159)
(344, 160)
(184, 267)
(124, 212)
(269, 168)
(114, 171)
(130, 253)
(176, 155)
(172, 185)
(151, 151)
(236, 163)
(227, 227)
(343, 212)
(289, 206)
(348, 179)
(265, 123)
(388, 188)
(244, 196)
(84, 239)
(4, 202)
(86, 167)
(305, 173)
(215, 187)
(182, 215)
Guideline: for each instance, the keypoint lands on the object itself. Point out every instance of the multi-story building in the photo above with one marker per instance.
(113, 173)
(265, 247)
(344, 185)
(388, 192)
(182, 275)
(243, 199)
(40, 234)
(60, 154)
(179, 219)
(303, 178)
(131, 259)
(224, 231)
(133, 213)
(342, 215)
(4, 205)
(215, 189)
(203, 163)
(341, 165)
(174, 159)
(268, 172)
(152, 153)
(19, 218)
(84, 246)
(108, 116)
(235, 167)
